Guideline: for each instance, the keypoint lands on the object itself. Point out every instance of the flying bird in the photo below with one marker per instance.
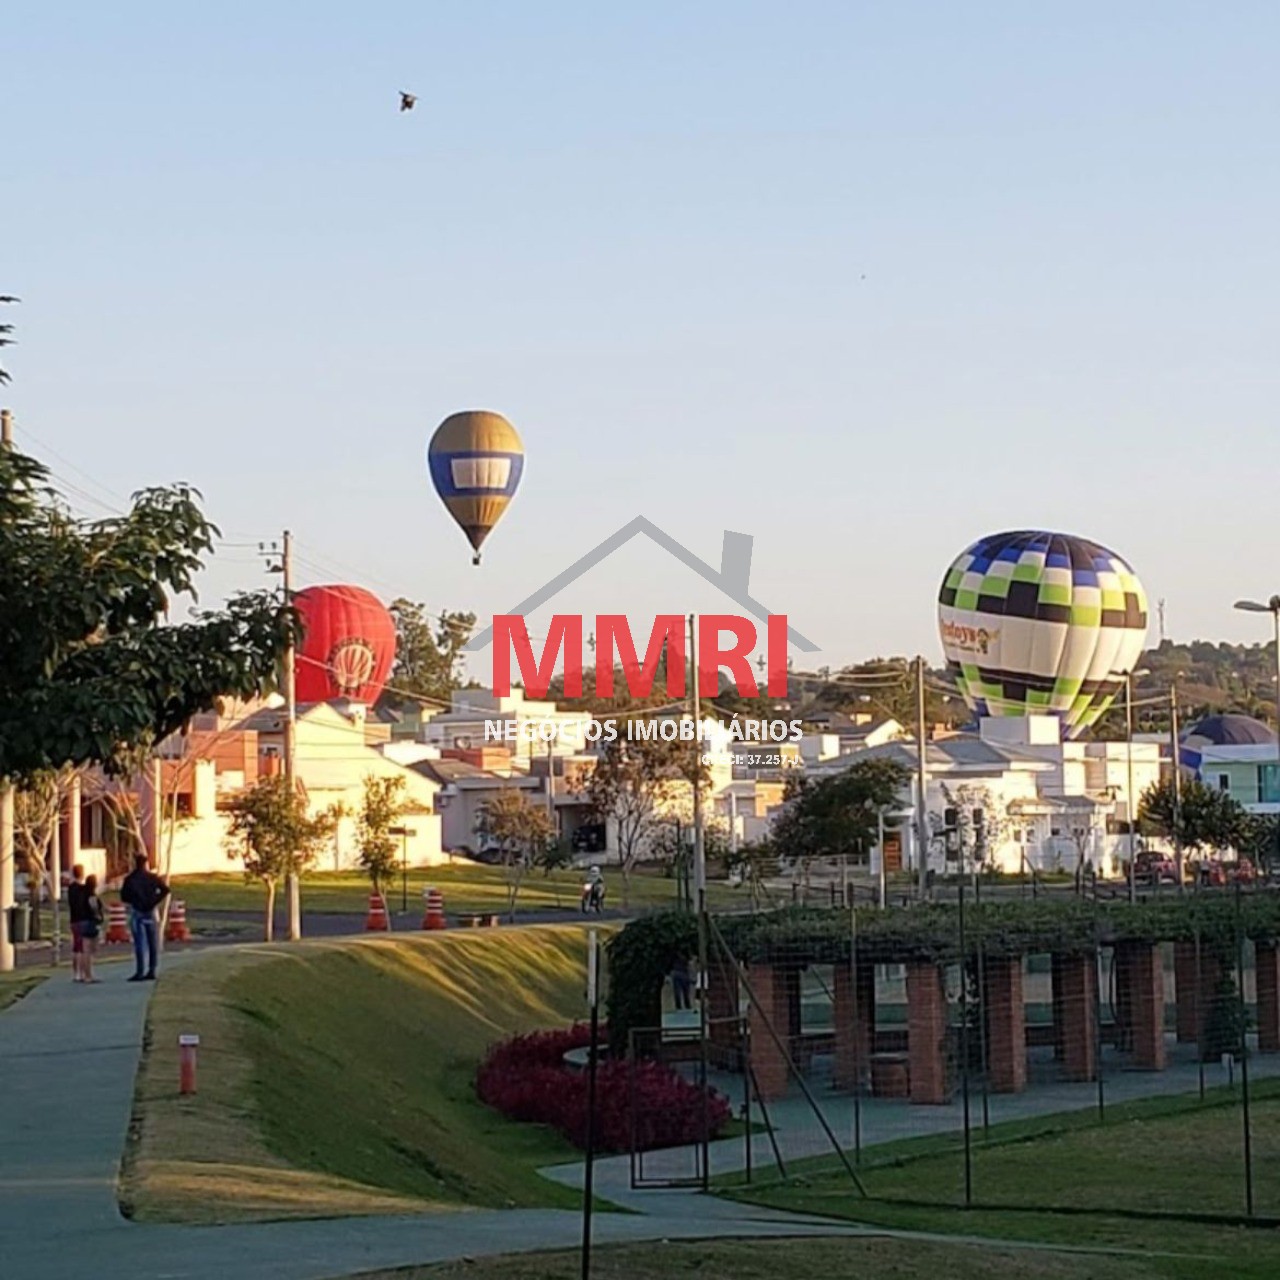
(407, 100)
(9, 298)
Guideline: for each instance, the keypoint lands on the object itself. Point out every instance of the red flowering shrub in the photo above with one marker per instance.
(526, 1078)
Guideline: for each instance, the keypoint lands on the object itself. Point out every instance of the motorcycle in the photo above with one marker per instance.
(593, 896)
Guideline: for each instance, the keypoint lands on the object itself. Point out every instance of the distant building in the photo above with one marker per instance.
(1236, 754)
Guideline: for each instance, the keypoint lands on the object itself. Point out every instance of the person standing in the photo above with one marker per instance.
(142, 892)
(79, 915)
(682, 983)
(90, 929)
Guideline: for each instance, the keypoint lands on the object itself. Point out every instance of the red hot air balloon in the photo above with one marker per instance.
(348, 644)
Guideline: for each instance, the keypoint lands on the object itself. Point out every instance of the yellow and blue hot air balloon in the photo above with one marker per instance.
(476, 459)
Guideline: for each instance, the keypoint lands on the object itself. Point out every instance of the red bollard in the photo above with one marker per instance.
(187, 1046)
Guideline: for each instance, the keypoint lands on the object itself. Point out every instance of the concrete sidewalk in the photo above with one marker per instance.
(68, 1057)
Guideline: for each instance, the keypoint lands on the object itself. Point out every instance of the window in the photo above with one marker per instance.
(1269, 783)
(1224, 782)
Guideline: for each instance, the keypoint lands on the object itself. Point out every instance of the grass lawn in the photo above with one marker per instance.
(466, 887)
(336, 1078)
(13, 986)
(1159, 1156)
(798, 1259)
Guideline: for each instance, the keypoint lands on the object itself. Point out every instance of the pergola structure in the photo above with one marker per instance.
(761, 960)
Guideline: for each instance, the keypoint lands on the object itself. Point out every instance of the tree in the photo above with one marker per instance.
(1197, 816)
(1261, 840)
(90, 669)
(428, 650)
(380, 806)
(274, 835)
(522, 831)
(633, 783)
(836, 816)
(37, 808)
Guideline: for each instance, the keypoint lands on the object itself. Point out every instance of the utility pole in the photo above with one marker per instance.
(700, 891)
(1177, 783)
(6, 801)
(922, 784)
(291, 735)
(1131, 806)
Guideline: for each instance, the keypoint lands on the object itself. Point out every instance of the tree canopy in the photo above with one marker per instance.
(91, 668)
(428, 650)
(837, 815)
(1198, 816)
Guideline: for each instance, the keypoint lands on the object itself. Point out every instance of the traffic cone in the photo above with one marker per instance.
(117, 923)
(434, 917)
(376, 921)
(176, 930)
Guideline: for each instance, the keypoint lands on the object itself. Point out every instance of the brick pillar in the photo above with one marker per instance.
(1267, 960)
(1184, 990)
(769, 985)
(927, 1033)
(1140, 972)
(1006, 1025)
(854, 1037)
(723, 1010)
(1074, 995)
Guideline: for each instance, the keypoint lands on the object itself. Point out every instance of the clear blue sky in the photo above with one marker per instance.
(865, 280)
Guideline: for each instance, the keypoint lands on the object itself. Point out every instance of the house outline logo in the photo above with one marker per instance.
(733, 576)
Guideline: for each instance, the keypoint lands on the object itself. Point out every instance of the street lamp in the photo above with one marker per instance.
(404, 833)
(1273, 608)
(1130, 805)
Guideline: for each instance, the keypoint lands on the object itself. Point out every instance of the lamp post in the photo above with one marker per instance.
(1272, 607)
(404, 833)
(1131, 808)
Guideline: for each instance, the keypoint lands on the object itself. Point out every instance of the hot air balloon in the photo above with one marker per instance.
(348, 644)
(1037, 623)
(475, 459)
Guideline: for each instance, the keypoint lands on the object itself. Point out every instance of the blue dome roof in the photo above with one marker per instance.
(1230, 731)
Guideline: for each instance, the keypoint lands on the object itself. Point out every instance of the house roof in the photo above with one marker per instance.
(445, 772)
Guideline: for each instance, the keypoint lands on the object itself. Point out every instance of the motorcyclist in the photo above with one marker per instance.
(593, 890)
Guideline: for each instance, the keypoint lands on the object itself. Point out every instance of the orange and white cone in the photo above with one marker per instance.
(176, 930)
(376, 921)
(117, 923)
(434, 916)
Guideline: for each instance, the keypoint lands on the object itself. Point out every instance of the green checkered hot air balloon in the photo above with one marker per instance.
(1038, 623)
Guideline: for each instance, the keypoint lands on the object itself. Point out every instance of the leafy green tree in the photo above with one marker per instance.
(1199, 816)
(91, 671)
(275, 836)
(1261, 840)
(428, 650)
(836, 815)
(522, 831)
(381, 805)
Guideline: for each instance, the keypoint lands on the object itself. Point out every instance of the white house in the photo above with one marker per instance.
(197, 775)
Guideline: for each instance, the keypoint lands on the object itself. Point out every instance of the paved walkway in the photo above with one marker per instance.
(68, 1056)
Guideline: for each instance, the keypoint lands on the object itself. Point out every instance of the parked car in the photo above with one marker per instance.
(1154, 868)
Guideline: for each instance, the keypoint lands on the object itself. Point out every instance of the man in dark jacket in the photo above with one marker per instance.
(143, 891)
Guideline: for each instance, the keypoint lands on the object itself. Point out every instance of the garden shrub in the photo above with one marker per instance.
(527, 1079)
